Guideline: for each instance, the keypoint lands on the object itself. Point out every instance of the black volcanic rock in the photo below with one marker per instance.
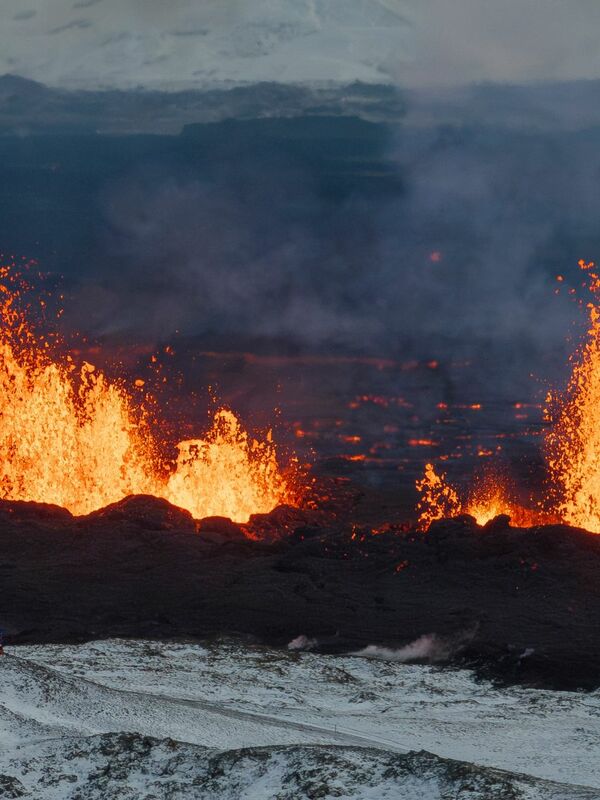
(219, 530)
(20, 511)
(142, 511)
(519, 605)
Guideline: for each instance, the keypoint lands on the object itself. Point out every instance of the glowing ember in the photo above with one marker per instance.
(69, 436)
(573, 445)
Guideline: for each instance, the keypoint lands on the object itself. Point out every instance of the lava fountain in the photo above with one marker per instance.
(71, 437)
(573, 444)
(571, 447)
(227, 474)
(488, 498)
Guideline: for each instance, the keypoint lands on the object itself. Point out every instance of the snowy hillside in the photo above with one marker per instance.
(115, 43)
(132, 767)
(176, 720)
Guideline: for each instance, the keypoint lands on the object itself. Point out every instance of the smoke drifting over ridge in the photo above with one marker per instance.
(435, 238)
(446, 242)
(428, 648)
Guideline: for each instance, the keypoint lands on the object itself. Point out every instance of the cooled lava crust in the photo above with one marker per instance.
(519, 605)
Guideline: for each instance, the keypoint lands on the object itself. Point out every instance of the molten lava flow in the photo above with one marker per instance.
(573, 445)
(70, 437)
(486, 500)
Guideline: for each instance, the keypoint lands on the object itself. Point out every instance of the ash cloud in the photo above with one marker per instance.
(236, 261)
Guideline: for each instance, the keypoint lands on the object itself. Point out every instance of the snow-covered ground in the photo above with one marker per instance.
(58, 703)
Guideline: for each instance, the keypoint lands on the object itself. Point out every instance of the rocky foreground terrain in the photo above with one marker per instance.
(521, 606)
(129, 766)
(141, 719)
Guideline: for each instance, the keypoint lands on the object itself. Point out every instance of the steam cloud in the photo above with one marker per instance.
(430, 648)
(302, 643)
(425, 648)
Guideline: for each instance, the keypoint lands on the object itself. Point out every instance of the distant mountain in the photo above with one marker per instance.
(30, 107)
(15, 90)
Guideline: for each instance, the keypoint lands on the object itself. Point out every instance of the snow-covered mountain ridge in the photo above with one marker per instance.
(116, 44)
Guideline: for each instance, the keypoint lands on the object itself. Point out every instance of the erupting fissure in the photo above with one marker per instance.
(488, 498)
(572, 452)
(573, 444)
(71, 437)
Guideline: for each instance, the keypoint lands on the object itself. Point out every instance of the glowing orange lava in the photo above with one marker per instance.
(227, 474)
(71, 437)
(572, 449)
(487, 499)
(573, 444)
(438, 500)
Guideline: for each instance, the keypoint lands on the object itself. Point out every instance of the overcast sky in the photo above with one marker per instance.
(461, 41)
(171, 43)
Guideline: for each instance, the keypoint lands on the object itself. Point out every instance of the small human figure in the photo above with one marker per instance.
(2, 635)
